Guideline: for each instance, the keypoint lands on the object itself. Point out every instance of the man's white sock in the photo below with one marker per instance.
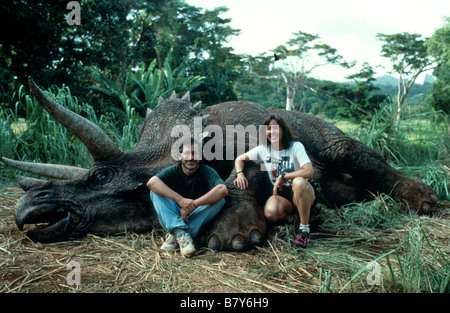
(178, 232)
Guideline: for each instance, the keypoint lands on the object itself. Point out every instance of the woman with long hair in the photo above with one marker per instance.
(290, 171)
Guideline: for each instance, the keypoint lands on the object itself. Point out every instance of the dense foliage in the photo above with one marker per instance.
(138, 50)
(126, 54)
(114, 38)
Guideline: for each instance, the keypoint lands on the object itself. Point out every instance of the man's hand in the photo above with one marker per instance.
(184, 215)
(187, 207)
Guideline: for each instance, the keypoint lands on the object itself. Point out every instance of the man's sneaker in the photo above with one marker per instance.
(303, 239)
(187, 247)
(170, 244)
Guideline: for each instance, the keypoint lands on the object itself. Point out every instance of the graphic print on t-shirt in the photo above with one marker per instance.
(278, 162)
(279, 167)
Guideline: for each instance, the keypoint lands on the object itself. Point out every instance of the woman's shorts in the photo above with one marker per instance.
(287, 192)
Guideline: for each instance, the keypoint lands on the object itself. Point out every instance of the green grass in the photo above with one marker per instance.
(411, 253)
(37, 137)
(419, 147)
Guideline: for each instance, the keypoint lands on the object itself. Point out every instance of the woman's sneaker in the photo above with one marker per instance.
(170, 244)
(303, 239)
(186, 243)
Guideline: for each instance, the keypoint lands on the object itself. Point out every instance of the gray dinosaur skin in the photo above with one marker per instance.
(111, 197)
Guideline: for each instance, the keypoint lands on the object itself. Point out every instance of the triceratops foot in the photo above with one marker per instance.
(238, 242)
(238, 226)
(415, 195)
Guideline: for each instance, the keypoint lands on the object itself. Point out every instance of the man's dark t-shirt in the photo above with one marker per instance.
(190, 186)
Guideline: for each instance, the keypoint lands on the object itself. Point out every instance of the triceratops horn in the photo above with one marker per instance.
(27, 182)
(100, 146)
(52, 171)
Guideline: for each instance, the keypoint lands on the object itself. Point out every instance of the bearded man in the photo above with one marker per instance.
(185, 197)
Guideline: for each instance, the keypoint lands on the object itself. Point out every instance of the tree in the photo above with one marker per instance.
(409, 57)
(211, 59)
(439, 47)
(298, 60)
(356, 100)
(115, 38)
(39, 41)
(30, 41)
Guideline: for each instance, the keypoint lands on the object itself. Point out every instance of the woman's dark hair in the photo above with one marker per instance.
(288, 136)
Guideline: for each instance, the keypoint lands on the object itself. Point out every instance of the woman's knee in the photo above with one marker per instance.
(277, 209)
(301, 187)
(299, 184)
(271, 214)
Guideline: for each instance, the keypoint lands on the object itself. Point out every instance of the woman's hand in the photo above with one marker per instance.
(241, 181)
(278, 185)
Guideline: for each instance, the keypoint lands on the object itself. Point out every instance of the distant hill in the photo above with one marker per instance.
(389, 85)
(386, 80)
(389, 80)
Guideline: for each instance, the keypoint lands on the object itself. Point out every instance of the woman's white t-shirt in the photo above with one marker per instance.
(279, 162)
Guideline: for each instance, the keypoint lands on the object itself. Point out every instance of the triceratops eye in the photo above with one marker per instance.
(101, 176)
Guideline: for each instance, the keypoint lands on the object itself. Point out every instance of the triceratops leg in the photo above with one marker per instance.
(241, 222)
(374, 174)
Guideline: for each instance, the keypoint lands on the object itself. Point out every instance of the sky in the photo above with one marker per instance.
(350, 26)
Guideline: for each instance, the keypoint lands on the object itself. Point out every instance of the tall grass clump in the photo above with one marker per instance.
(411, 259)
(418, 264)
(362, 239)
(37, 137)
(382, 212)
(6, 142)
(418, 145)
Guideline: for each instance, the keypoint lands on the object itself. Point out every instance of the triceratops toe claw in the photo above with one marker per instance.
(238, 243)
(255, 237)
(214, 243)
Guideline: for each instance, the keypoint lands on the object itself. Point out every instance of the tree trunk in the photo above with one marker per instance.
(289, 99)
(403, 89)
(303, 105)
(399, 100)
(290, 93)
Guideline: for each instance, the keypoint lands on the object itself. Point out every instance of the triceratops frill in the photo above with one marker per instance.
(111, 197)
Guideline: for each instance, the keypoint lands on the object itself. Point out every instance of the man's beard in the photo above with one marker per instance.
(190, 167)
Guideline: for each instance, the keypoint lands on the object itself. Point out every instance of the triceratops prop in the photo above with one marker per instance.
(112, 197)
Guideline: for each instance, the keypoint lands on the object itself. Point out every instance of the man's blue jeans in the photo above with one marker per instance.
(169, 214)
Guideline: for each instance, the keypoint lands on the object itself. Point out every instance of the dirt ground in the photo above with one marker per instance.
(134, 262)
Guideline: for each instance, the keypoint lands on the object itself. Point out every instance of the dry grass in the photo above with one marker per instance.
(335, 261)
